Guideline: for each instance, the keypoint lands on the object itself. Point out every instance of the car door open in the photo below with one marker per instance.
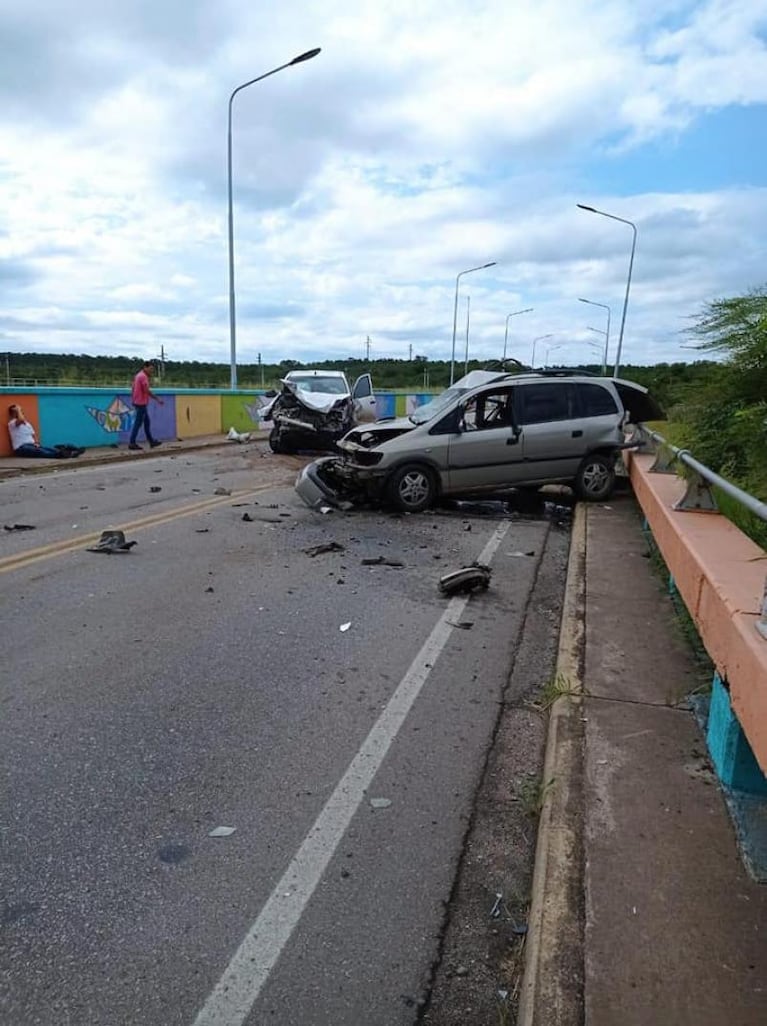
(364, 399)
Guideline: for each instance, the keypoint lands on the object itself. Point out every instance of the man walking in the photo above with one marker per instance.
(140, 396)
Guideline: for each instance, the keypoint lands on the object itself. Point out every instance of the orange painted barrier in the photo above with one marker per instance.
(720, 574)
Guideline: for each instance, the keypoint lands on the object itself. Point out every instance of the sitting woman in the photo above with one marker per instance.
(24, 443)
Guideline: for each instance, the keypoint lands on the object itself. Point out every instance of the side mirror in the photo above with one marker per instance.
(270, 394)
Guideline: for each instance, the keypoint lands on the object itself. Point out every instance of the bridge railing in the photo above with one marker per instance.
(720, 574)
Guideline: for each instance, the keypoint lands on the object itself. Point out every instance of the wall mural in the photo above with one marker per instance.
(118, 416)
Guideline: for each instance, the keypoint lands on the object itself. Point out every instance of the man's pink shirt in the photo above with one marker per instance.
(140, 393)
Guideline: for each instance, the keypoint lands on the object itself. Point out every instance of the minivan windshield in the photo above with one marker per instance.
(430, 410)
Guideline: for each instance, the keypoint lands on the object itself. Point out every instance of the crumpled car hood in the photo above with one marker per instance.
(319, 402)
(371, 435)
(322, 402)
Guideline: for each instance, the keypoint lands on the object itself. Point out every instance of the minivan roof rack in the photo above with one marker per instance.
(566, 372)
(510, 366)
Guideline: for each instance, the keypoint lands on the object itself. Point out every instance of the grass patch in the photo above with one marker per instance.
(553, 689)
(532, 794)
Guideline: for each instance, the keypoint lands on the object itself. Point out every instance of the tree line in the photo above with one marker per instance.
(668, 381)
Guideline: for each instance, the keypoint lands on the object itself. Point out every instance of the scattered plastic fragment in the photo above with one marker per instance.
(201, 530)
(326, 509)
(520, 553)
(380, 803)
(112, 542)
(381, 561)
(238, 436)
(467, 579)
(223, 491)
(318, 550)
(495, 911)
(18, 527)
(247, 518)
(208, 590)
(465, 625)
(222, 831)
(345, 627)
(155, 488)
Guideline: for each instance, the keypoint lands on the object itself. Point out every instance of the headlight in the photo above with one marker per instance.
(367, 457)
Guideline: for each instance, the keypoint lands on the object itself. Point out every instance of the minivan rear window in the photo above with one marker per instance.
(595, 401)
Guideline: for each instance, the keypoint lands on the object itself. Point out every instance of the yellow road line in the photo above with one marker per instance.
(59, 548)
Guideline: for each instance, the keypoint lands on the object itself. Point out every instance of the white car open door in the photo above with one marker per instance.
(364, 399)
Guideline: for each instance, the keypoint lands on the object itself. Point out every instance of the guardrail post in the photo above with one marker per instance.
(698, 495)
(664, 461)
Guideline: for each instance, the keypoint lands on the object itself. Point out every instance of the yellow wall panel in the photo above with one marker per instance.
(198, 415)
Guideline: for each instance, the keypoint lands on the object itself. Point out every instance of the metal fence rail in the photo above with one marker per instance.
(700, 482)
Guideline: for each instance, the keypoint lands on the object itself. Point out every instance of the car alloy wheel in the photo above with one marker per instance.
(596, 478)
(411, 489)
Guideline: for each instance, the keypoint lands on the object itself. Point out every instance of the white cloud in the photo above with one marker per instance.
(424, 139)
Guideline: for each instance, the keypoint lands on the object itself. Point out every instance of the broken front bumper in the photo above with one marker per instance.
(314, 488)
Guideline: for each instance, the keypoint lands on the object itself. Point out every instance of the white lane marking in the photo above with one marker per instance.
(231, 1000)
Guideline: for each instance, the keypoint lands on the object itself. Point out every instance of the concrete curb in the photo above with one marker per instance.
(552, 986)
(31, 467)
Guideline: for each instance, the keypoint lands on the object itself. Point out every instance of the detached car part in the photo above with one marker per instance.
(469, 578)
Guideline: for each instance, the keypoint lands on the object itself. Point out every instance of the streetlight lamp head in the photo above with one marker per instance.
(584, 207)
(307, 56)
(491, 264)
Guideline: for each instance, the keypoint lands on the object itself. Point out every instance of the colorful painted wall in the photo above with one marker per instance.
(101, 417)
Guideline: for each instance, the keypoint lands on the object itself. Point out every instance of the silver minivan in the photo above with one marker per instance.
(486, 436)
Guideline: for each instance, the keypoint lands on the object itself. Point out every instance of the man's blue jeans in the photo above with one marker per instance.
(142, 419)
(41, 452)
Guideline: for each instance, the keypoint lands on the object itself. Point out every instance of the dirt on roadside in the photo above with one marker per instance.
(479, 972)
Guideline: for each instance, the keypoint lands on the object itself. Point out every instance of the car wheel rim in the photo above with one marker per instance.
(595, 478)
(414, 488)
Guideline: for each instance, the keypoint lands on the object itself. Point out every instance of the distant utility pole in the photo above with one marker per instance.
(7, 368)
(410, 352)
(367, 349)
(162, 362)
(262, 370)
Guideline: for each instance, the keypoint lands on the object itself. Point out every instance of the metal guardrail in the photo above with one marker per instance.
(698, 496)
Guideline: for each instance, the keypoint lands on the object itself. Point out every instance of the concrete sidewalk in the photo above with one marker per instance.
(15, 466)
(654, 920)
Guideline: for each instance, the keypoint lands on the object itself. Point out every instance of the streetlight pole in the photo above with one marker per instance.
(506, 333)
(540, 338)
(466, 353)
(614, 217)
(455, 311)
(607, 333)
(551, 349)
(602, 349)
(232, 316)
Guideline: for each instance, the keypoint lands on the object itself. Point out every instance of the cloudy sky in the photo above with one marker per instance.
(429, 136)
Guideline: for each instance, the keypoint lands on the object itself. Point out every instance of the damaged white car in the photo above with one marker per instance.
(488, 433)
(315, 408)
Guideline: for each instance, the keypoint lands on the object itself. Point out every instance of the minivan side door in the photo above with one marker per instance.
(483, 452)
(364, 400)
(553, 440)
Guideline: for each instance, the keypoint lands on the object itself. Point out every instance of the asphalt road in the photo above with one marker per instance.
(203, 680)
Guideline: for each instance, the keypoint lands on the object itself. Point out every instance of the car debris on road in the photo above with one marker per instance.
(469, 578)
(112, 542)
